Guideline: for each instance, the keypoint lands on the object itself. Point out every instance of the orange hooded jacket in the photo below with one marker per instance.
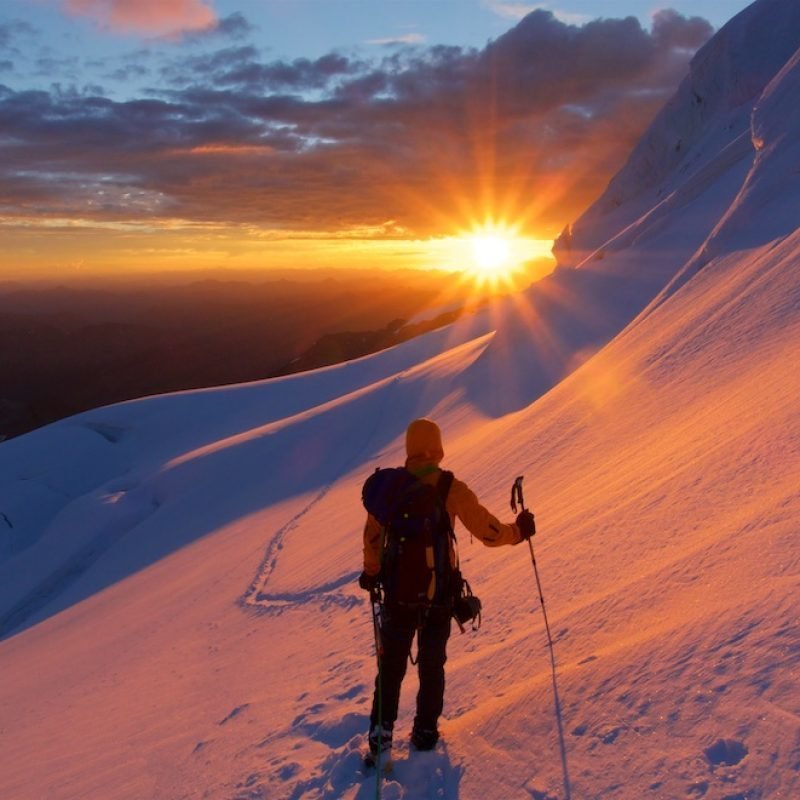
(424, 449)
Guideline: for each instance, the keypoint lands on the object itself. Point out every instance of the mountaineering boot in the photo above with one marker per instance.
(380, 748)
(380, 740)
(424, 738)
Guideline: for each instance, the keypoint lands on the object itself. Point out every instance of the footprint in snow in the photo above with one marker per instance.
(236, 711)
(725, 752)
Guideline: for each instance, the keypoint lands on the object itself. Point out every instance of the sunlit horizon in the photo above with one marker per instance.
(67, 249)
(210, 149)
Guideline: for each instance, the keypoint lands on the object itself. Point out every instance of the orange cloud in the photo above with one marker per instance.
(228, 149)
(146, 16)
(526, 131)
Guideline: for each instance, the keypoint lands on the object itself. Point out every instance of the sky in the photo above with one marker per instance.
(174, 134)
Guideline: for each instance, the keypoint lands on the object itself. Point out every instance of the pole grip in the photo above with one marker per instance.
(516, 494)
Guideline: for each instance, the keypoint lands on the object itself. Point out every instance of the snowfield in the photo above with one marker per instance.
(178, 602)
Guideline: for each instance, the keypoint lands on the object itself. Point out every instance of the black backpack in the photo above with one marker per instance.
(418, 537)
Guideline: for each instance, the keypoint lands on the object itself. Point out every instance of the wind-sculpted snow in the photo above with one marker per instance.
(710, 111)
(181, 613)
(765, 208)
(113, 468)
(701, 169)
(761, 212)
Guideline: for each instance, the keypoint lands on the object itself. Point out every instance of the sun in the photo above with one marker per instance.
(490, 254)
(493, 254)
(496, 257)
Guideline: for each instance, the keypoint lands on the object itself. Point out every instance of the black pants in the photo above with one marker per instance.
(399, 626)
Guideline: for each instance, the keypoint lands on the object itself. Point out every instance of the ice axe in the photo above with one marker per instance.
(518, 503)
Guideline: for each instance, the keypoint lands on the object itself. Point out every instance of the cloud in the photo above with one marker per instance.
(151, 17)
(404, 38)
(235, 27)
(127, 73)
(518, 11)
(65, 68)
(513, 10)
(11, 32)
(531, 128)
(670, 29)
(241, 66)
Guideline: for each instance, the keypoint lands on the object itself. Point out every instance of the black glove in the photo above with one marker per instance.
(526, 524)
(367, 582)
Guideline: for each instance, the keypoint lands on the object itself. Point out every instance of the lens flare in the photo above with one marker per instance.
(495, 253)
(490, 253)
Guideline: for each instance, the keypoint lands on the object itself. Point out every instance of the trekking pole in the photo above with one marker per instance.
(517, 500)
(376, 601)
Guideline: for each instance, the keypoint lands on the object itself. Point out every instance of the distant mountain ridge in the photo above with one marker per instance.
(67, 349)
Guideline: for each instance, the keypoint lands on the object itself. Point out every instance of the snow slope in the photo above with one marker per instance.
(177, 587)
(675, 172)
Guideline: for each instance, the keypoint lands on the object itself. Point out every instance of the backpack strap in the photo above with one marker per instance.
(444, 484)
(443, 487)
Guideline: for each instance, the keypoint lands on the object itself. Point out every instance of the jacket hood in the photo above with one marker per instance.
(424, 442)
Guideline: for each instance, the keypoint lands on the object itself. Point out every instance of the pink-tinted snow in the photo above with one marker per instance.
(178, 605)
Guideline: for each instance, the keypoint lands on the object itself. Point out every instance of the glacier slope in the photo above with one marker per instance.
(663, 472)
(180, 614)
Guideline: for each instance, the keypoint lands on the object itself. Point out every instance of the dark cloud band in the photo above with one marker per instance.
(532, 126)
